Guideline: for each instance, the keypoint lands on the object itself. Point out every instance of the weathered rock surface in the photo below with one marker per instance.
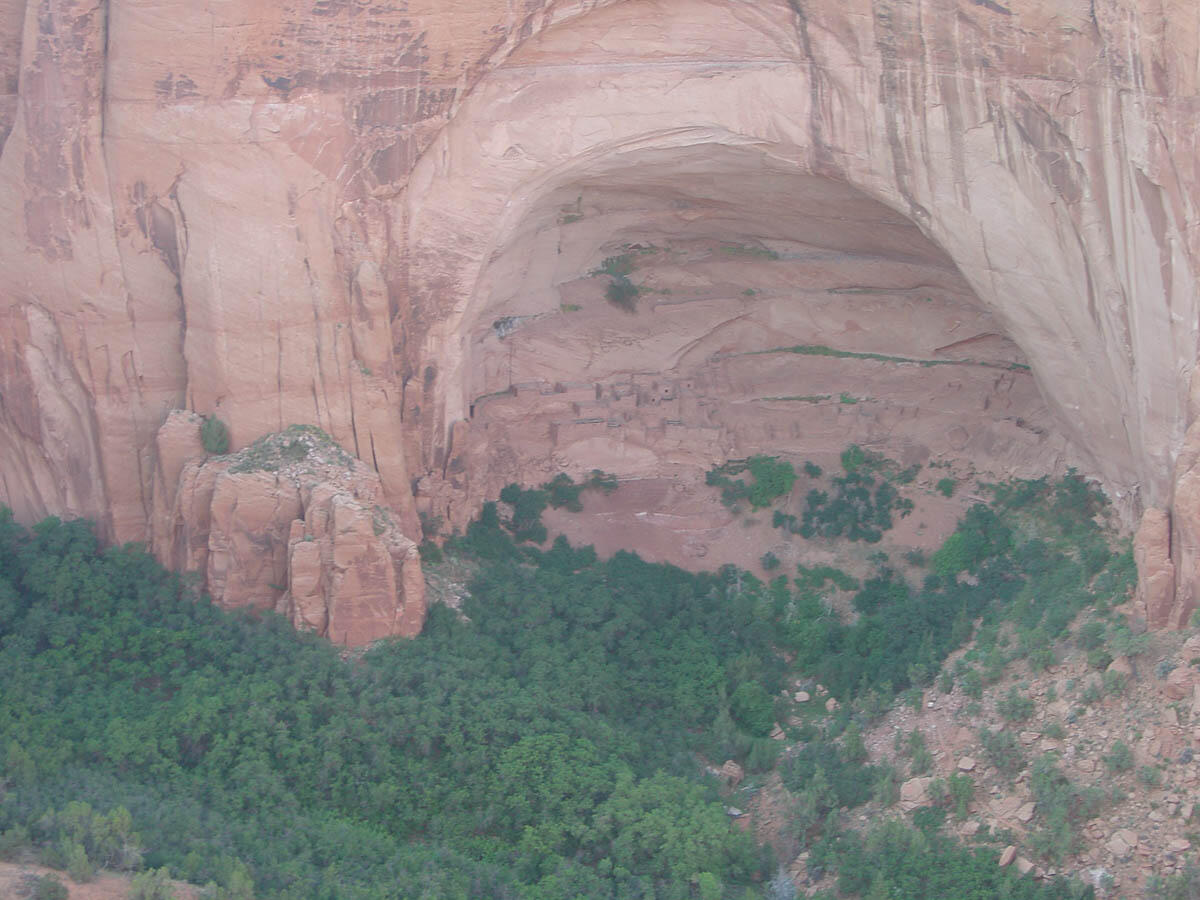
(293, 524)
(317, 213)
(914, 793)
(1156, 571)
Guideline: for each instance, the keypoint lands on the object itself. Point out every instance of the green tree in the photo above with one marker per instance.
(214, 436)
(666, 828)
(153, 884)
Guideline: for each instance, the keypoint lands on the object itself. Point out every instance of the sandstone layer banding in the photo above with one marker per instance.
(381, 218)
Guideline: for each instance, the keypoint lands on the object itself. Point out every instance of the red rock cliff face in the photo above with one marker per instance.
(313, 213)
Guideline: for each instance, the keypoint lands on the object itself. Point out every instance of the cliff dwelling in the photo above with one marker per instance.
(417, 335)
(771, 312)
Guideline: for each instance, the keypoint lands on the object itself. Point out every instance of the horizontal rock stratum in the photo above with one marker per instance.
(377, 217)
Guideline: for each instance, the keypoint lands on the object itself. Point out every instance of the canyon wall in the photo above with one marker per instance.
(364, 214)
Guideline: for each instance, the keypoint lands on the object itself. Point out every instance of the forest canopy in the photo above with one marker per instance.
(545, 741)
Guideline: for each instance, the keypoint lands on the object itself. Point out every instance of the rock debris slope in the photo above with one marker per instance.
(367, 215)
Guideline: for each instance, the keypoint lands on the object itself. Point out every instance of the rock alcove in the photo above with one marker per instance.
(776, 312)
(319, 220)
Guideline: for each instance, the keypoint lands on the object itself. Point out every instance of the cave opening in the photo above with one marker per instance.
(776, 312)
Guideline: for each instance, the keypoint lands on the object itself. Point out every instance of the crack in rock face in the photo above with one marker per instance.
(482, 245)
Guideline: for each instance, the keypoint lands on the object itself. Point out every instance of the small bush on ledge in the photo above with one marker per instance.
(214, 436)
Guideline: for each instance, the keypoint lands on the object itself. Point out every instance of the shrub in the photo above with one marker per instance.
(962, 791)
(431, 526)
(1013, 707)
(620, 291)
(929, 818)
(861, 506)
(1114, 682)
(214, 436)
(1063, 807)
(563, 491)
(980, 535)
(1119, 758)
(602, 481)
(1125, 643)
(528, 505)
(947, 486)
(1184, 885)
(153, 884)
(1164, 667)
(1002, 751)
(1054, 730)
(972, 684)
(1090, 636)
(811, 469)
(752, 708)
(773, 478)
(914, 747)
(894, 861)
(709, 886)
(45, 887)
(1040, 659)
(1150, 776)
(853, 746)
(770, 561)
(885, 789)
(431, 553)
(14, 842)
(77, 864)
(938, 792)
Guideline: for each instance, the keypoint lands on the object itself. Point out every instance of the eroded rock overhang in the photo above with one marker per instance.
(993, 176)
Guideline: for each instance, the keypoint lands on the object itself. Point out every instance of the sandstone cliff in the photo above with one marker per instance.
(292, 524)
(319, 212)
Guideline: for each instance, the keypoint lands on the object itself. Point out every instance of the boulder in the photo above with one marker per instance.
(1122, 666)
(731, 773)
(914, 793)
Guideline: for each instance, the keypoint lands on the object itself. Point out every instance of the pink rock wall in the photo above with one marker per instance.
(300, 212)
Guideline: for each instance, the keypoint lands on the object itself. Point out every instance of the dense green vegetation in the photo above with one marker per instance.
(1036, 559)
(772, 478)
(528, 504)
(863, 499)
(620, 291)
(902, 863)
(545, 743)
(857, 505)
(538, 750)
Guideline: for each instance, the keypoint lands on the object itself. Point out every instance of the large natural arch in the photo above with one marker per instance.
(977, 182)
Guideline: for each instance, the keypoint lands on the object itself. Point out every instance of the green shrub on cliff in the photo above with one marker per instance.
(214, 436)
